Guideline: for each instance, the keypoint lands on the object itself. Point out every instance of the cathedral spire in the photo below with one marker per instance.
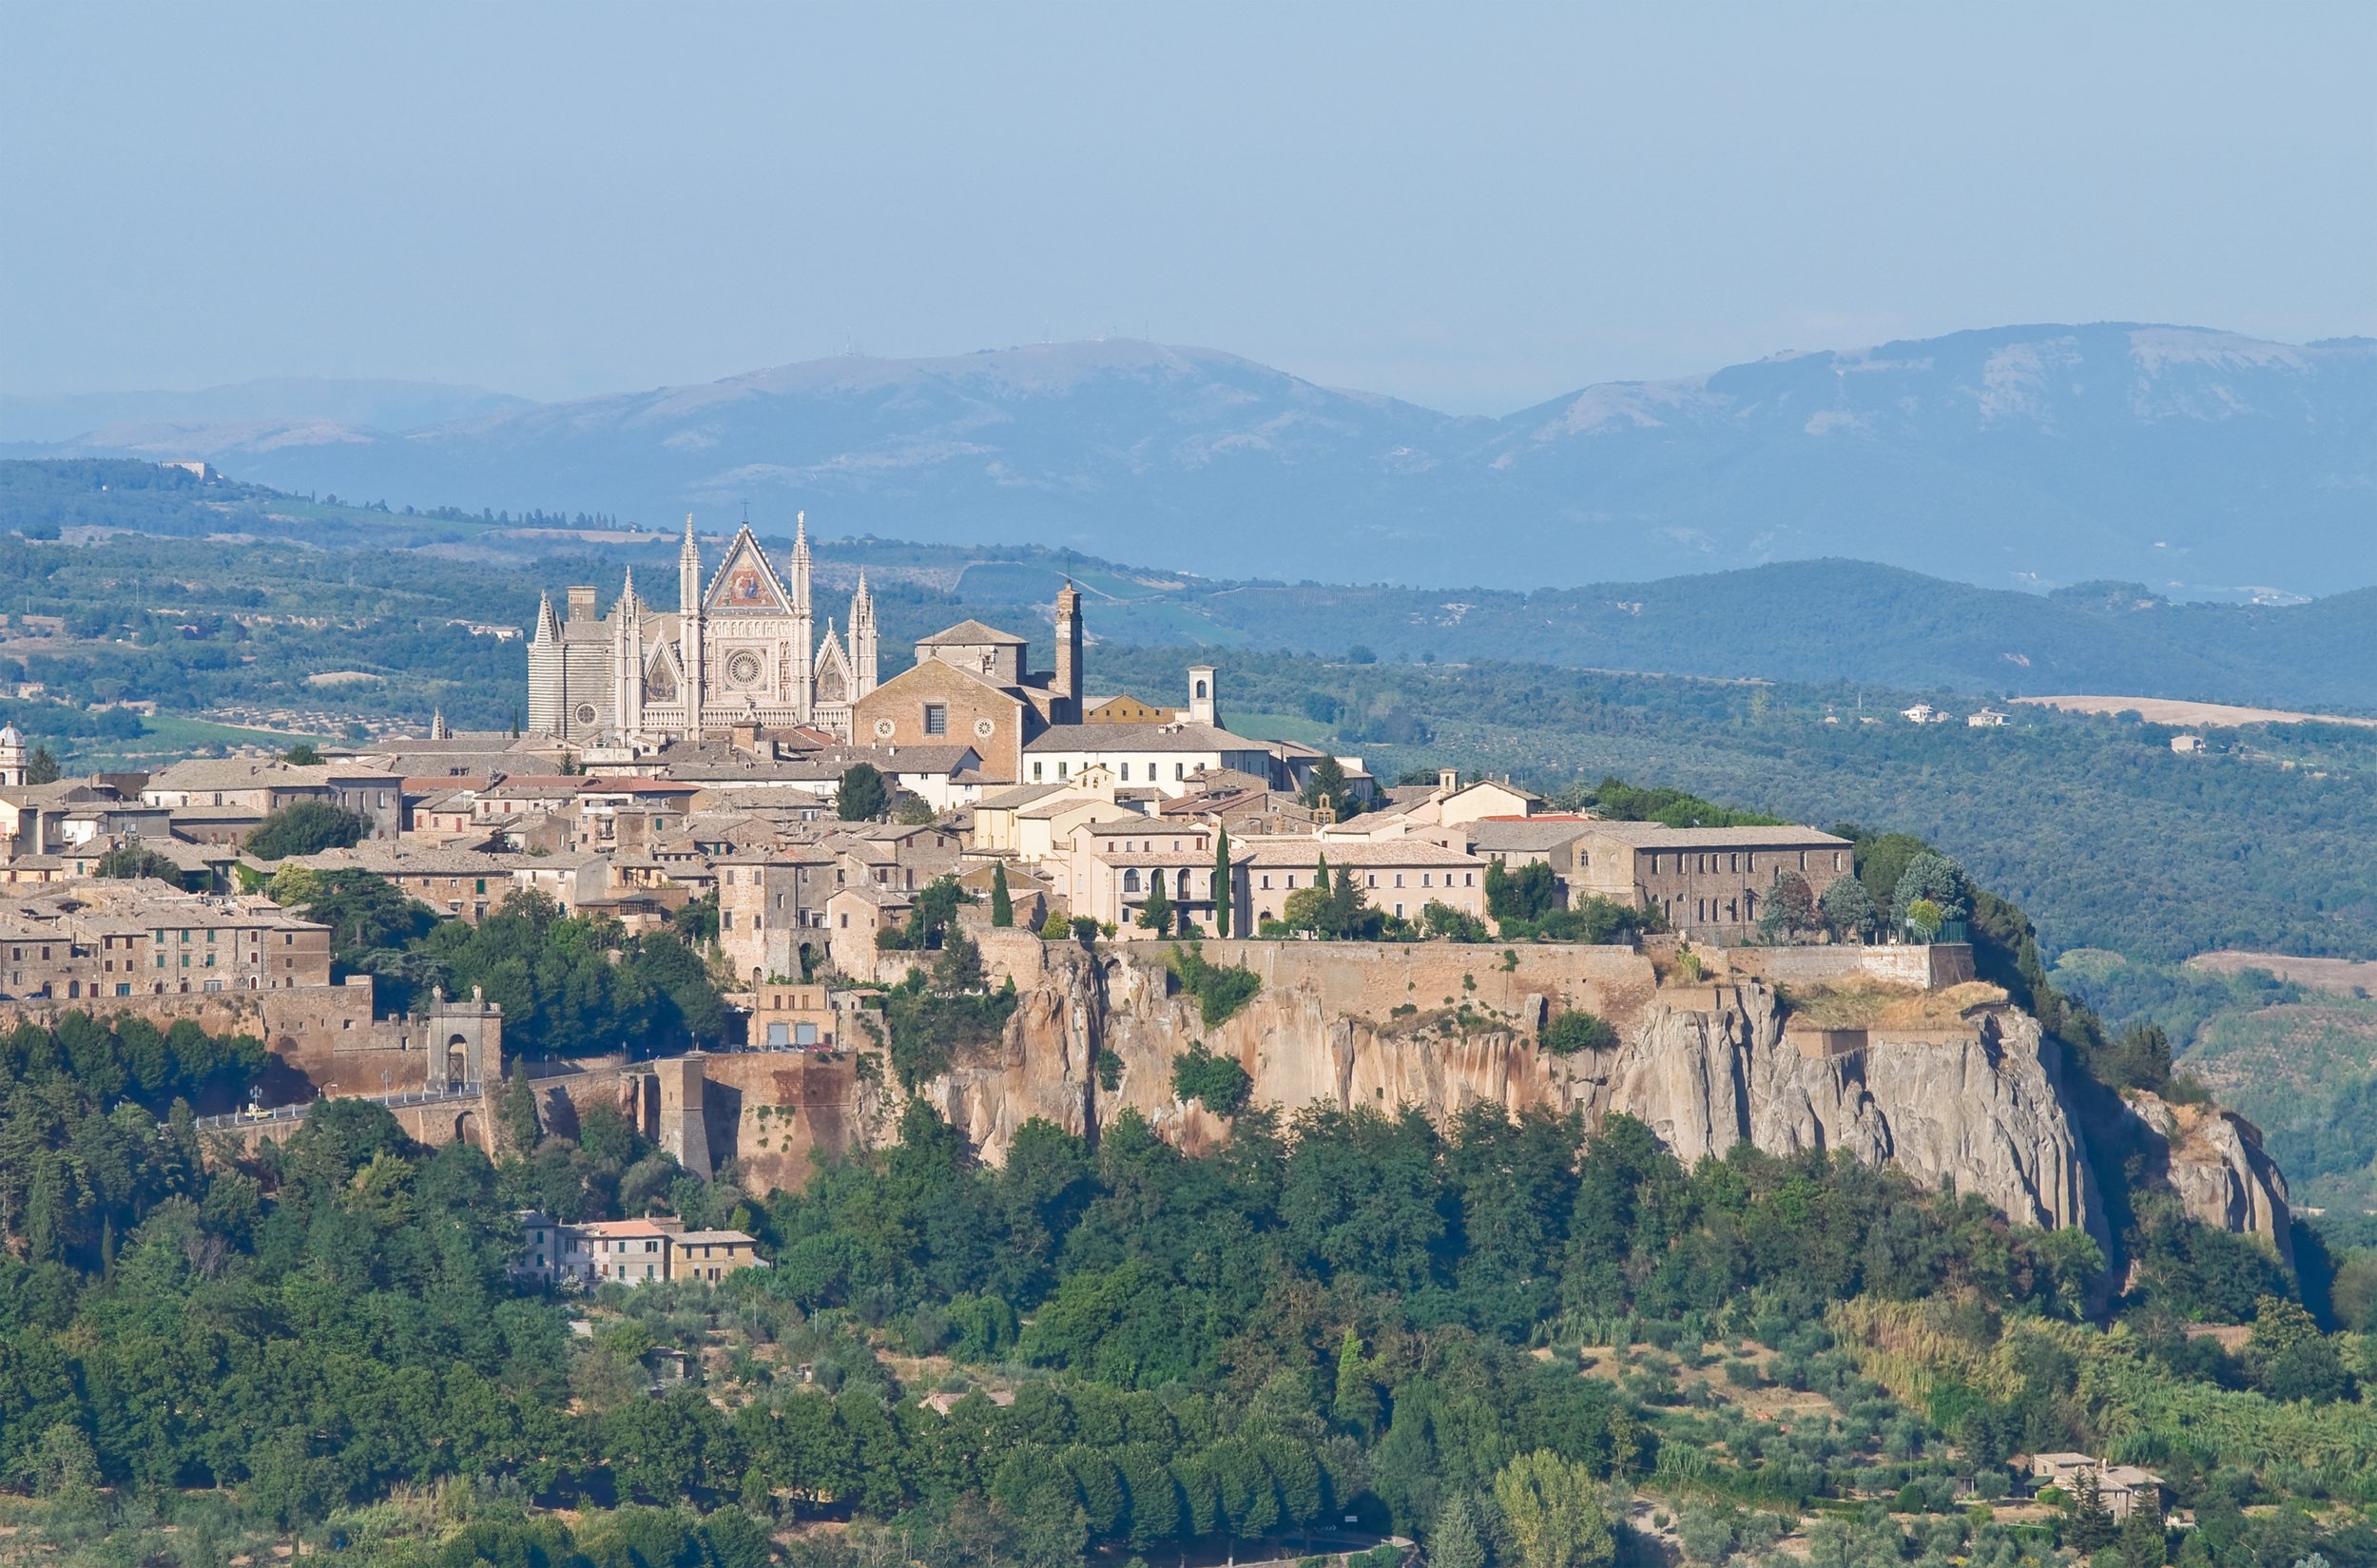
(437, 731)
(548, 626)
(689, 571)
(627, 600)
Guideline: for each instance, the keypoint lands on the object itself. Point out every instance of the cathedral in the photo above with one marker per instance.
(741, 649)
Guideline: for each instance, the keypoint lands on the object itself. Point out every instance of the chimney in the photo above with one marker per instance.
(1068, 654)
(1447, 780)
(582, 604)
(1203, 700)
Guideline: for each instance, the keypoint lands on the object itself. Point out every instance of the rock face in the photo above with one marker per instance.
(2214, 1160)
(1985, 1104)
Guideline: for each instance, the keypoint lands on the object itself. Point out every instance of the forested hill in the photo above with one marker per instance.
(1811, 621)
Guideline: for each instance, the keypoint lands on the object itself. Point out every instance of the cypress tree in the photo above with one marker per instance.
(1221, 884)
(1002, 905)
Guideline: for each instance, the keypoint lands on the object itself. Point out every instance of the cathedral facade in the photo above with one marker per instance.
(739, 649)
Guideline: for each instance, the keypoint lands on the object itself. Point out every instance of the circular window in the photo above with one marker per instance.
(883, 729)
(985, 729)
(743, 667)
(585, 714)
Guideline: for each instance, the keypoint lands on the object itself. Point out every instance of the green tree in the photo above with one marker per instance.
(1217, 1083)
(132, 859)
(862, 796)
(520, 1128)
(41, 767)
(1554, 1518)
(1931, 877)
(1003, 902)
(1458, 1538)
(303, 754)
(1575, 1030)
(1848, 908)
(1223, 885)
(306, 827)
(2092, 1528)
(1438, 919)
(1534, 892)
(1790, 908)
(2144, 1540)
(1156, 914)
(1923, 918)
(1356, 1406)
(1325, 789)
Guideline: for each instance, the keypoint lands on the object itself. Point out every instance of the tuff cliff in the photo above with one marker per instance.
(1985, 1102)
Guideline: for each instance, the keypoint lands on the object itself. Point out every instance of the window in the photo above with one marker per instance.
(1266, 882)
(482, 885)
(1035, 772)
(1398, 881)
(1179, 771)
(1125, 772)
(1469, 878)
(936, 718)
(1423, 879)
(1060, 769)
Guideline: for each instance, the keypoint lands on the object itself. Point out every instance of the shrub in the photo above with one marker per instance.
(1220, 989)
(1217, 1083)
(1576, 1030)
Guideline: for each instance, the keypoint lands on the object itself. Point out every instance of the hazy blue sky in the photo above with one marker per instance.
(1475, 207)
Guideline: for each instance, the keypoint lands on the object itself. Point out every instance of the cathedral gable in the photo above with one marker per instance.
(662, 679)
(746, 582)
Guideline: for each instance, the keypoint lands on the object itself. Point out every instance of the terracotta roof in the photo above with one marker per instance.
(969, 634)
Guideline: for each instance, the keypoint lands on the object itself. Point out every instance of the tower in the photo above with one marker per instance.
(548, 691)
(1204, 698)
(437, 731)
(12, 758)
(861, 640)
(690, 628)
(1068, 705)
(627, 660)
(804, 628)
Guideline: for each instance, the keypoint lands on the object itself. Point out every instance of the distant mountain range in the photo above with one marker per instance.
(2201, 463)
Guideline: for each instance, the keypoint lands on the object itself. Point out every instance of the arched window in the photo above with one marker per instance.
(1200, 689)
(1131, 880)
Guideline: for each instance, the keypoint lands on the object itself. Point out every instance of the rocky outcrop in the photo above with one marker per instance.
(2212, 1159)
(1440, 1028)
(1984, 1102)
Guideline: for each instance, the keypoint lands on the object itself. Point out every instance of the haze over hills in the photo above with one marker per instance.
(2201, 463)
(245, 413)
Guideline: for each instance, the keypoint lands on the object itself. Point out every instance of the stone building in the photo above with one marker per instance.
(133, 939)
(973, 685)
(741, 649)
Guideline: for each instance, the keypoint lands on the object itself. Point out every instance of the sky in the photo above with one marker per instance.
(1474, 207)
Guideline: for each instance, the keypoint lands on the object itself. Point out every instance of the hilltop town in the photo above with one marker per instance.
(719, 776)
(732, 921)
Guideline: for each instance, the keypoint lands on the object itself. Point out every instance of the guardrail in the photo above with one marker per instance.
(294, 1113)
